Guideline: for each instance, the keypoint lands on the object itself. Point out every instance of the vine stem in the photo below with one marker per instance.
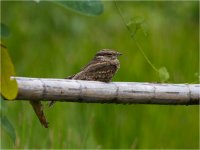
(133, 37)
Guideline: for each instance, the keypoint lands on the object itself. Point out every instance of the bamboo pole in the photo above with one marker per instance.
(44, 89)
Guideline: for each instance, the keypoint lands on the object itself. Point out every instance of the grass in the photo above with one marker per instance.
(49, 41)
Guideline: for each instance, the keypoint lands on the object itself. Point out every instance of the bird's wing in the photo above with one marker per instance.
(96, 71)
(91, 62)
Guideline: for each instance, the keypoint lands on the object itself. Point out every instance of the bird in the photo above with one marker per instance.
(38, 109)
(102, 68)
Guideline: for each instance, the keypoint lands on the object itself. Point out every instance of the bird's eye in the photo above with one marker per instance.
(109, 54)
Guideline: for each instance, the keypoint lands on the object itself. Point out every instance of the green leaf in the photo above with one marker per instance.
(8, 127)
(37, 1)
(145, 29)
(4, 31)
(9, 87)
(2, 104)
(138, 23)
(5, 123)
(89, 7)
(163, 74)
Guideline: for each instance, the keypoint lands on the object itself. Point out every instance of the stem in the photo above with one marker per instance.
(133, 37)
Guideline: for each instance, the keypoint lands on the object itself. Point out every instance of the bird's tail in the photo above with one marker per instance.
(38, 108)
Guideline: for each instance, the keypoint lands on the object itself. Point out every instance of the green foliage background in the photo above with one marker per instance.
(51, 42)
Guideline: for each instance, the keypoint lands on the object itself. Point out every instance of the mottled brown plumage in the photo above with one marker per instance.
(101, 68)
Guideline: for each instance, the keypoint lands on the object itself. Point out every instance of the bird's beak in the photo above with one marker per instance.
(119, 54)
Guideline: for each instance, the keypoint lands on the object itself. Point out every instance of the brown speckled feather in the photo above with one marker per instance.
(101, 68)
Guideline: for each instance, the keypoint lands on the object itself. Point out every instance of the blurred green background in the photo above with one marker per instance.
(50, 41)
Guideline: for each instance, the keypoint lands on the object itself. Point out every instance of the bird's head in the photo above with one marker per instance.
(107, 54)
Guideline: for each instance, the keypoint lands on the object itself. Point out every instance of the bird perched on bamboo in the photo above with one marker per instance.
(102, 68)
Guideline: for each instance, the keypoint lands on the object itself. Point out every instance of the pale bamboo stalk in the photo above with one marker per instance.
(41, 89)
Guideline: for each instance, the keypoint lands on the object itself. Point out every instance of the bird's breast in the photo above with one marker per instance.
(116, 63)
